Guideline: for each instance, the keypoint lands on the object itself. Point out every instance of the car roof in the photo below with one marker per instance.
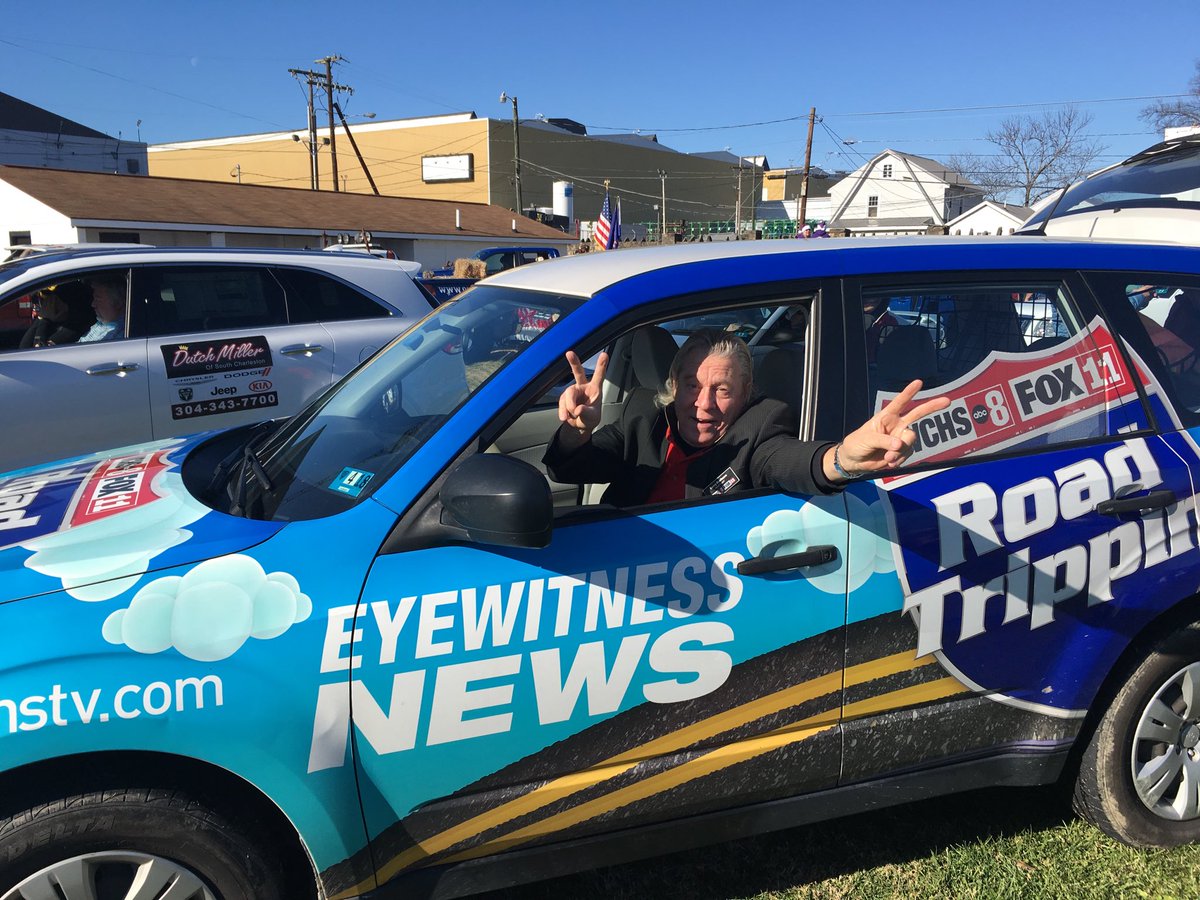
(692, 267)
(99, 258)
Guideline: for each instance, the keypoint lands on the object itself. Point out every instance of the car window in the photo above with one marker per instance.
(1019, 361)
(1160, 318)
(316, 297)
(64, 311)
(640, 360)
(178, 299)
(334, 453)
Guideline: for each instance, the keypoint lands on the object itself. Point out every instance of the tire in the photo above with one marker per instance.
(1139, 776)
(100, 844)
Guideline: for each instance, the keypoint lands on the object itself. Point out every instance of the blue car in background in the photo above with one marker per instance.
(374, 650)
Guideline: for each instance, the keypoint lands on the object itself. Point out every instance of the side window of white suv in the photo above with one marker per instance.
(181, 299)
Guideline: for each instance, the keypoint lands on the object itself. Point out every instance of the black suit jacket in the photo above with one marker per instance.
(758, 449)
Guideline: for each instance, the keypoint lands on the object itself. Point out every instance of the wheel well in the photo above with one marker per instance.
(217, 788)
(1181, 615)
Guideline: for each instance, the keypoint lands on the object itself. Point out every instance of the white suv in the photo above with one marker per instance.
(1152, 196)
(203, 338)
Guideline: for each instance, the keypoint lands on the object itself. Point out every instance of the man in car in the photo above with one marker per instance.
(108, 300)
(709, 434)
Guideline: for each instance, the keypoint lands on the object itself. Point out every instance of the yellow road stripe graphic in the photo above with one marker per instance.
(609, 768)
(713, 761)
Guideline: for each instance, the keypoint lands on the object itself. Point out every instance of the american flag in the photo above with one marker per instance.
(608, 227)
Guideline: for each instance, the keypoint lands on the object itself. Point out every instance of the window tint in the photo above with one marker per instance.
(1017, 359)
(314, 297)
(1159, 316)
(208, 298)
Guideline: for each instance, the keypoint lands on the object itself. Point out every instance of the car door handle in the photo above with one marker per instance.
(813, 556)
(302, 350)
(1144, 503)
(118, 369)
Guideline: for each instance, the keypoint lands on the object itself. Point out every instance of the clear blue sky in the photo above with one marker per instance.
(924, 77)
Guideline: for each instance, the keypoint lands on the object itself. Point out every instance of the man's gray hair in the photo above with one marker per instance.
(713, 343)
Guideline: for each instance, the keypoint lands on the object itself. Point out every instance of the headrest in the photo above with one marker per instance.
(652, 351)
(906, 353)
(780, 375)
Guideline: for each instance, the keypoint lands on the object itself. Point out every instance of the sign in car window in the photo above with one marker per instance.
(220, 376)
(1065, 392)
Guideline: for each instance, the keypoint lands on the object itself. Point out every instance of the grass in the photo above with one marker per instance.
(1016, 843)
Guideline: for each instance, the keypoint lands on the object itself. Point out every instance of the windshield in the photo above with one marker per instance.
(1165, 176)
(347, 442)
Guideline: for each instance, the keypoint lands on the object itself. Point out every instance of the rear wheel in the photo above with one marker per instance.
(1139, 777)
(116, 845)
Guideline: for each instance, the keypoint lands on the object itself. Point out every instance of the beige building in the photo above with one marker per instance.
(463, 158)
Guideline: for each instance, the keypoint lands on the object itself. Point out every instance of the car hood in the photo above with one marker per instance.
(94, 525)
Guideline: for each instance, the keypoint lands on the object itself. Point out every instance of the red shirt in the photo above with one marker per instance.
(672, 477)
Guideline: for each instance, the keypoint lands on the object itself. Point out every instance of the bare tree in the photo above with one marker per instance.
(1179, 111)
(1034, 156)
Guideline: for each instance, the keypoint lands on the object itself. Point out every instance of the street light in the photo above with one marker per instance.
(505, 98)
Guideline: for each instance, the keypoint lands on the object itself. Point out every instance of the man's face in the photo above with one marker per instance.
(109, 302)
(709, 396)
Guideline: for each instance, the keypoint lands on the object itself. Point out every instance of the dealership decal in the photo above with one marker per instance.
(207, 357)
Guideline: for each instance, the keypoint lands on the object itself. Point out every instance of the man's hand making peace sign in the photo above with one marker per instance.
(884, 441)
(579, 404)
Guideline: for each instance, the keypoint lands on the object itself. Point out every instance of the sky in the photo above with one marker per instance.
(923, 77)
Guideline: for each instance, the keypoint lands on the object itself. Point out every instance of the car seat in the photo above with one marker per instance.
(779, 375)
(652, 351)
(906, 353)
(985, 324)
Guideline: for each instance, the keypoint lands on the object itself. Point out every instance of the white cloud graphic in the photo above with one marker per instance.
(822, 521)
(99, 560)
(210, 612)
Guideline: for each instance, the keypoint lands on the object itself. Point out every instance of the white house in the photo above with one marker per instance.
(989, 217)
(898, 193)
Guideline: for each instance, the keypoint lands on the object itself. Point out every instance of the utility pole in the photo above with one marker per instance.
(662, 173)
(354, 144)
(737, 215)
(505, 97)
(325, 80)
(812, 117)
(329, 61)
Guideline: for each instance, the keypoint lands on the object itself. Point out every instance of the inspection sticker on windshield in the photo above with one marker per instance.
(351, 481)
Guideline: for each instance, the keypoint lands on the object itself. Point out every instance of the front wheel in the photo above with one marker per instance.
(1139, 778)
(125, 844)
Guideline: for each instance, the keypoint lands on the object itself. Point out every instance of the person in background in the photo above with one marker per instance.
(821, 230)
(108, 301)
(63, 314)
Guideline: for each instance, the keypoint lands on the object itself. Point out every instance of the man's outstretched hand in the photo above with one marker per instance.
(885, 440)
(579, 404)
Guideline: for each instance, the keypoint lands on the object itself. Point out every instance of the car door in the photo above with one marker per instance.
(356, 325)
(221, 351)
(649, 664)
(69, 399)
(1046, 523)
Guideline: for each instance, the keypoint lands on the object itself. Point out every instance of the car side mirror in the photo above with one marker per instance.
(499, 500)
